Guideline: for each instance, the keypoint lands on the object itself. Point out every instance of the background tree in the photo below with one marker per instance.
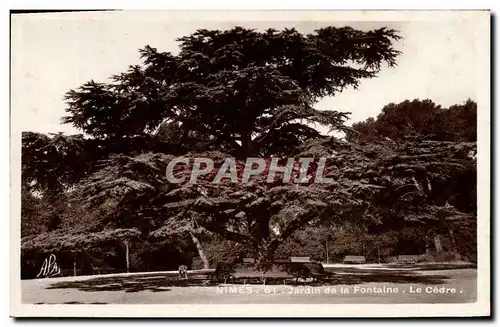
(316, 242)
(440, 143)
(420, 118)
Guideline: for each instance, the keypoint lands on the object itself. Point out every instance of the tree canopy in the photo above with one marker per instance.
(251, 92)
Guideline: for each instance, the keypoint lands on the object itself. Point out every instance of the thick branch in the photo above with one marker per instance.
(226, 234)
(294, 225)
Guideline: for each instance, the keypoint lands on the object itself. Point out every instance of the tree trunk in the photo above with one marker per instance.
(327, 257)
(201, 253)
(74, 264)
(126, 242)
(452, 241)
(454, 245)
(378, 253)
(246, 144)
(437, 243)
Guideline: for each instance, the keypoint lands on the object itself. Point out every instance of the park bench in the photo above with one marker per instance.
(250, 273)
(318, 272)
(354, 259)
(247, 271)
(392, 259)
(304, 270)
(408, 258)
(248, 261)
(223, 271)
(300, 259)
(277, 271)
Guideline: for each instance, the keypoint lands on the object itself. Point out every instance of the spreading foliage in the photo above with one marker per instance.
(374, 185)
(63, 241)
(248, 91)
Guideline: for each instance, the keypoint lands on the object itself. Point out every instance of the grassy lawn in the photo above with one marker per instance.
(349, 285)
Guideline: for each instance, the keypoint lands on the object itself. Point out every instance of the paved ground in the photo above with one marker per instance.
(350, 285)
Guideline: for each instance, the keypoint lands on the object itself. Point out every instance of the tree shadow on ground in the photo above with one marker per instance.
(128, 284)
(162, 283)
(352, 277)
(434, 266)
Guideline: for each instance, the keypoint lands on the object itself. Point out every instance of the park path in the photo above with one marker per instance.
(140, 290)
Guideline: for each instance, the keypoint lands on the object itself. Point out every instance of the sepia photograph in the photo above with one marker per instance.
(272, 163)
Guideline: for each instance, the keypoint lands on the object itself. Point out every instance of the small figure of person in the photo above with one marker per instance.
(183, 272)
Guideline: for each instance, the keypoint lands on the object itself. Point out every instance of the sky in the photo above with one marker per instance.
(53, 53)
